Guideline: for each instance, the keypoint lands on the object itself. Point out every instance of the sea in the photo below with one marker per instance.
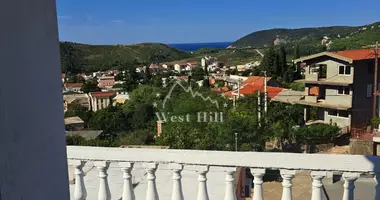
(189, 47)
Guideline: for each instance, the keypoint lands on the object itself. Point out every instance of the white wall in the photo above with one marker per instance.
(32, 143)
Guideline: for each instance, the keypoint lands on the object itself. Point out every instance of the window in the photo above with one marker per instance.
(369, 90)
(345, 70)
(344, 90)
(333, 112)
(343, 113)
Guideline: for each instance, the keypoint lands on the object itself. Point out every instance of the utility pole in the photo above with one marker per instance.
(236, 143)
(375, 94)
(259, 107)
(265, 93)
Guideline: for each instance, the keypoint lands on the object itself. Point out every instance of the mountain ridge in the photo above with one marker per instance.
(267, 37)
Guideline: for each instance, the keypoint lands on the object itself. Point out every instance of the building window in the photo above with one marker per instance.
(369, 90)
(344, 90)
(345, 70)
(333, 112)
(343, 113)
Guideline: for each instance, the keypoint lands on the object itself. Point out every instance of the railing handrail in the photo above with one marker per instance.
(289, 161)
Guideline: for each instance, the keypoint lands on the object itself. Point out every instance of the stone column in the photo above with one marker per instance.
(349, 186)
(317, 184)
(287, 176)
(31, 107)
(128, 193)
(177, 193)
(202, 183)
(258, 175)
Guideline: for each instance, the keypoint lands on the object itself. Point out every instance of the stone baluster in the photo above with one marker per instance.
(151, 193)
(258, 175)
(202, 179)
(126, 168)
(377, 179)
(177, 193)
(80, 192)
(230, 186)
(104, 190)
(317, 184)
(349, 185)
(287, 176)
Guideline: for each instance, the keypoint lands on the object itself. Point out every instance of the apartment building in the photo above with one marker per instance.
(340, 86)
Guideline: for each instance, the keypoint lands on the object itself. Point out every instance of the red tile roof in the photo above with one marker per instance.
(222, 89)
(256, 80)
(73, 84)
(252, 89)
(358, 54)
(103, 94)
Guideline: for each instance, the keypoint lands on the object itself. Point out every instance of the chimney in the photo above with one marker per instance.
(159, 128)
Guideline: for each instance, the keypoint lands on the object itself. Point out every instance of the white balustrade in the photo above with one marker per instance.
(349, 185)
(202, 185)
(126, 168)
(287, 176)
(351, 166)
(230, 185)
(317, 190)
(151, 193)
(258, 175)
(104, 190)
(80, 192)
(177, 193)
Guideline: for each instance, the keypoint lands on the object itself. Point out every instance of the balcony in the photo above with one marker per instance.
(184, 174)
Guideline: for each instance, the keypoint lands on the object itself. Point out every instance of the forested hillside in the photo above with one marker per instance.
(85, 58)
(266, 37)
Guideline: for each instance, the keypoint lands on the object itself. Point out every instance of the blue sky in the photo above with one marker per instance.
(189, 21)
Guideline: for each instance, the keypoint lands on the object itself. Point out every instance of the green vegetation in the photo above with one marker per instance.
(267, 37)
(134, 123)
(357, 40)
(77, 58)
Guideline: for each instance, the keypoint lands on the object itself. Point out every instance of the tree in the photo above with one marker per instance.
(282, 61)
(131, 80)
(90, 86)
(147, 76)
(296, 53)
(313, 134)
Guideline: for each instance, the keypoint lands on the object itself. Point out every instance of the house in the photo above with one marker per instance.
(106, 82)
(339, 85)
(72, 87)
(101, 100)
(74, 124)
(76, 99)
(121, 98)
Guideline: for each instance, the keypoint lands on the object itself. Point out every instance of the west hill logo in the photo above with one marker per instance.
(201, 117)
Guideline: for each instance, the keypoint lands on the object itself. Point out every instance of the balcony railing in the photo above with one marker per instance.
(178, 161)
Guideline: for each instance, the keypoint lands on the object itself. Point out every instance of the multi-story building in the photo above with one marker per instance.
(340, 86)
(106, 82)
(101, 100)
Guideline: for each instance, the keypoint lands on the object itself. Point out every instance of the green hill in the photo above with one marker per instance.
(267, 37)
(77, 57)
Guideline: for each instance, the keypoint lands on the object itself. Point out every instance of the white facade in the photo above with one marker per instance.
(32, 139)
(202, 175)
(177, 67)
